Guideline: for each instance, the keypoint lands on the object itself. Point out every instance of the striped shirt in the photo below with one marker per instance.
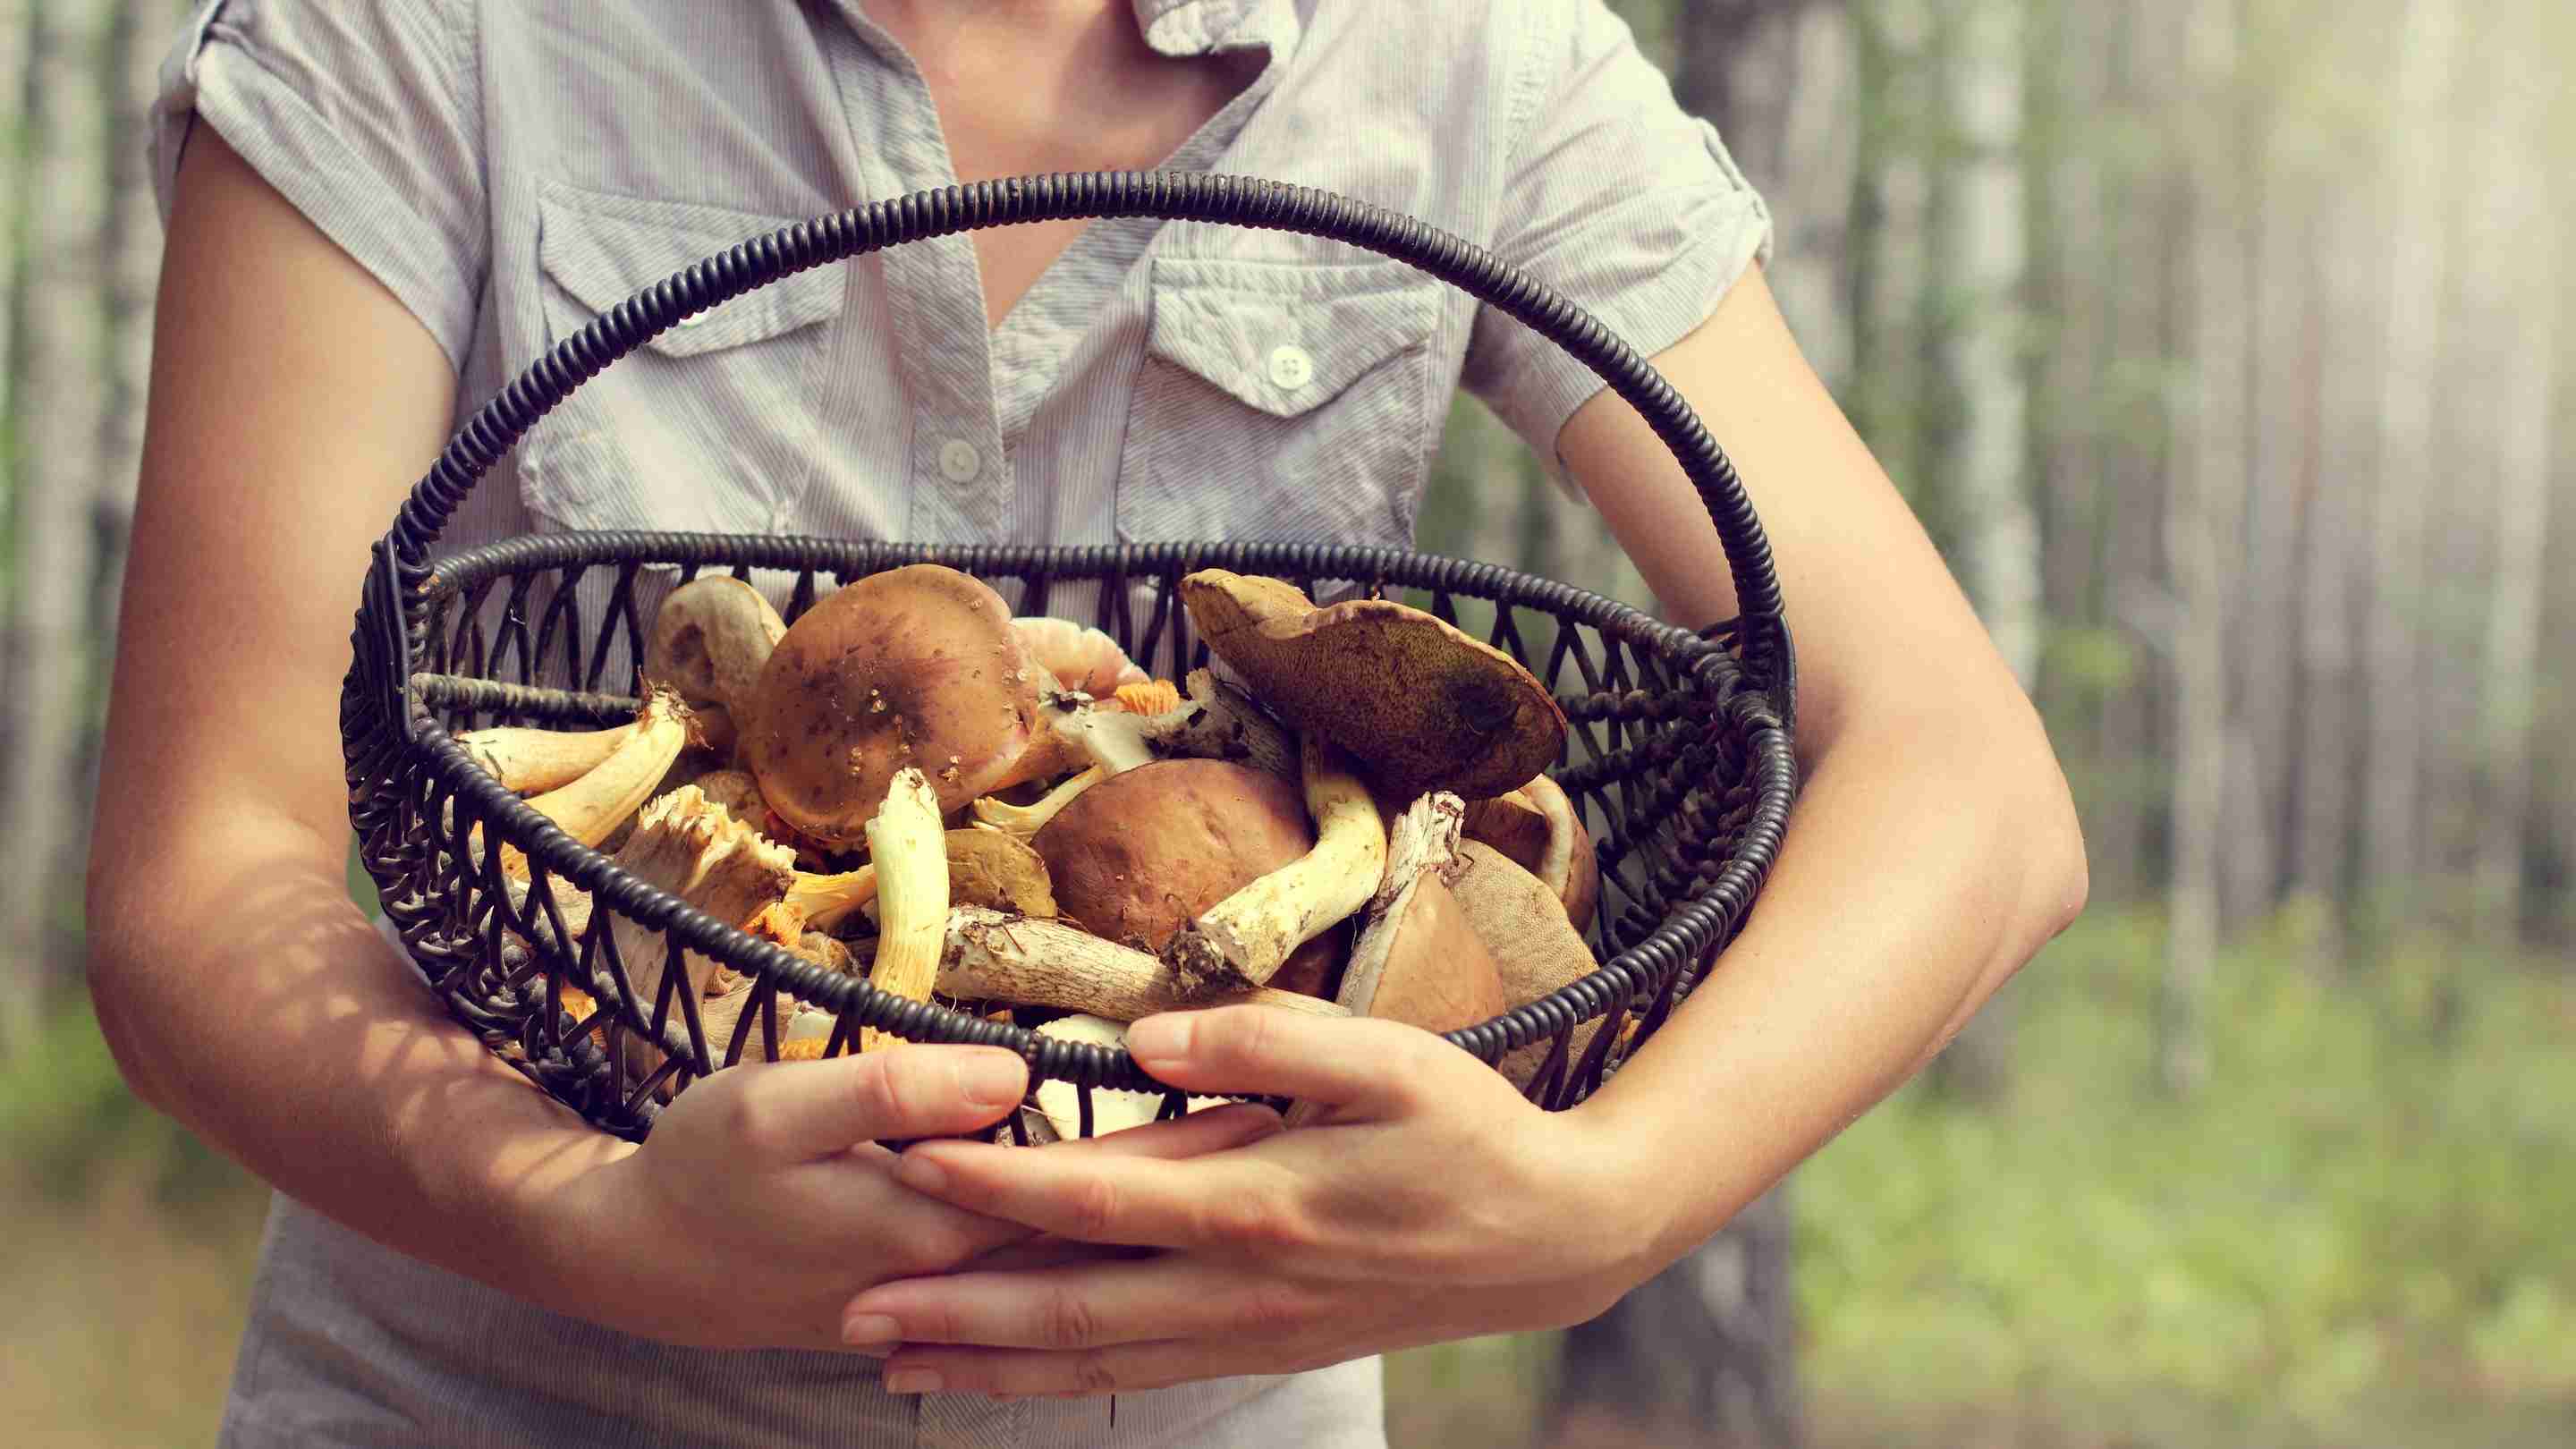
(509, 170)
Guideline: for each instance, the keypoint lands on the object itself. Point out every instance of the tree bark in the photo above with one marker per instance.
(2208, 494)
(57, 409)
(1702, 1356)
(2524, 313)
(2411, 359)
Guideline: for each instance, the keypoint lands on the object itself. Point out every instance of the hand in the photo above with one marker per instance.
(1428, 1202)
(761, 1202)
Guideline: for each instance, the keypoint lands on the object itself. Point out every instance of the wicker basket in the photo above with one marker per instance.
(1679, 758)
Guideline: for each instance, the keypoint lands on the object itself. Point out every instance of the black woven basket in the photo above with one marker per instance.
(1679, 760)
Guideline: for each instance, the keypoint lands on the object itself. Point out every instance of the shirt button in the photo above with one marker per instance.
(1290, 367)
(959, 460)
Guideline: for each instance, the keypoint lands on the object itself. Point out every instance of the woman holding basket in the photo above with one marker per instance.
(378, 215)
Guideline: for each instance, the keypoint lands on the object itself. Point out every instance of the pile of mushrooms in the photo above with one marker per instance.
(1008, 816)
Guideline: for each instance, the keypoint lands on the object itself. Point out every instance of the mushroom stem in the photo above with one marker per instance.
(1242, 940)
(909, 850)
(1023, 821)
(592, 807)
(524, 758)
(997, 956)
(1111, 1110)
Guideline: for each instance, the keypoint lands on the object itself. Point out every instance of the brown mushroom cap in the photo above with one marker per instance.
(1140, 854)
(1437, 973)
(1539, 829)
(711, 638)
(1421, 705)
(1534, 946)
(916, 667)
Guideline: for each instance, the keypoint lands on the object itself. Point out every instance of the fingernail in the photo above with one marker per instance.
(920, 1174)
(870, 1328)
(991, 1079)
(1164, 1038)
(912, 1381)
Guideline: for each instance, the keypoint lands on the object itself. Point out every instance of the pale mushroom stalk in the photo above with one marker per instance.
(985, 868)
(1023, 821)
(591, 808)
(526, 758)
(1243, 939)
(910, 853)
(997, 956)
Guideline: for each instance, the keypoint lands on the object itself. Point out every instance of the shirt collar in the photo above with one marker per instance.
(1196, 27)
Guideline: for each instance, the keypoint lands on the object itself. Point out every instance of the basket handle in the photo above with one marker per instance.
(401, 557)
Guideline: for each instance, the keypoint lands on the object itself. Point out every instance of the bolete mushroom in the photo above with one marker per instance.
(1139, 855)
(1245, 938)
(711, 639)
(1427, 707)
(913, 668)
(1523, 925)
(1537, 826)
(1215, 722)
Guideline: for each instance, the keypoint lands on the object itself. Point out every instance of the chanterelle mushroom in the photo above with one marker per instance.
(913, 668)
(1136, 856)
(1423, 705)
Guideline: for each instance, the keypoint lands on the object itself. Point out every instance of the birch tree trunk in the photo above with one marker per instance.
(2411, 353)
(2331, 699)
(15, 33)
(2530, 236)
(2208, 495)
(129, 245)
(57, 422)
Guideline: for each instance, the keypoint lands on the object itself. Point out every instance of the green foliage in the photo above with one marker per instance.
(67, 1120)
(2361, 1222)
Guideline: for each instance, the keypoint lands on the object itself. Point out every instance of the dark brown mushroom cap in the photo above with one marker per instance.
(1438, 974)
(914, 667)
(1139, 855)
(1419, 704)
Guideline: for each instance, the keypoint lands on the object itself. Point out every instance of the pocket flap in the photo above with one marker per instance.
(1287, 337)
(603, 249)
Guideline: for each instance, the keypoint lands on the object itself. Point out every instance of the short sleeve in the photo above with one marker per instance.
(366, 117)
(1619, 200)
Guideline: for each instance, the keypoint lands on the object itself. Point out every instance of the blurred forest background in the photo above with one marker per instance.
(2225, 347)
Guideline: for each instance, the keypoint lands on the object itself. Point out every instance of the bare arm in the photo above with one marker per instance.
(1934, 847)
(293, 403)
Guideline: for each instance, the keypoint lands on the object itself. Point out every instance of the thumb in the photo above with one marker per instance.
(788, 1112)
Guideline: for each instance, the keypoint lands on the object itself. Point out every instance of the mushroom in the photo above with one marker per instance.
(690, 848)
(592, 807)
(985, 868)
(1112, 1110)
(1523, 924)
(1538, 828)
(1418, 960)
(913, 668)
(1139, 855)
(1427, 706)
(1080, 659)
(711, 638)
(910, 854)
(527, 759)
(1245, 938)
(997, 956)
(1023, 822)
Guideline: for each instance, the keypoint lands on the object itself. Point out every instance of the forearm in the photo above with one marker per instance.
(245, 995)
(1931, 853)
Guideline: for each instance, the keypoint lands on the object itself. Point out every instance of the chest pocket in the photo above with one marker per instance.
(1281, 401)
(708, 427)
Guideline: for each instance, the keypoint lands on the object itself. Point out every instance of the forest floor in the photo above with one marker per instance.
(2355, 1236)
